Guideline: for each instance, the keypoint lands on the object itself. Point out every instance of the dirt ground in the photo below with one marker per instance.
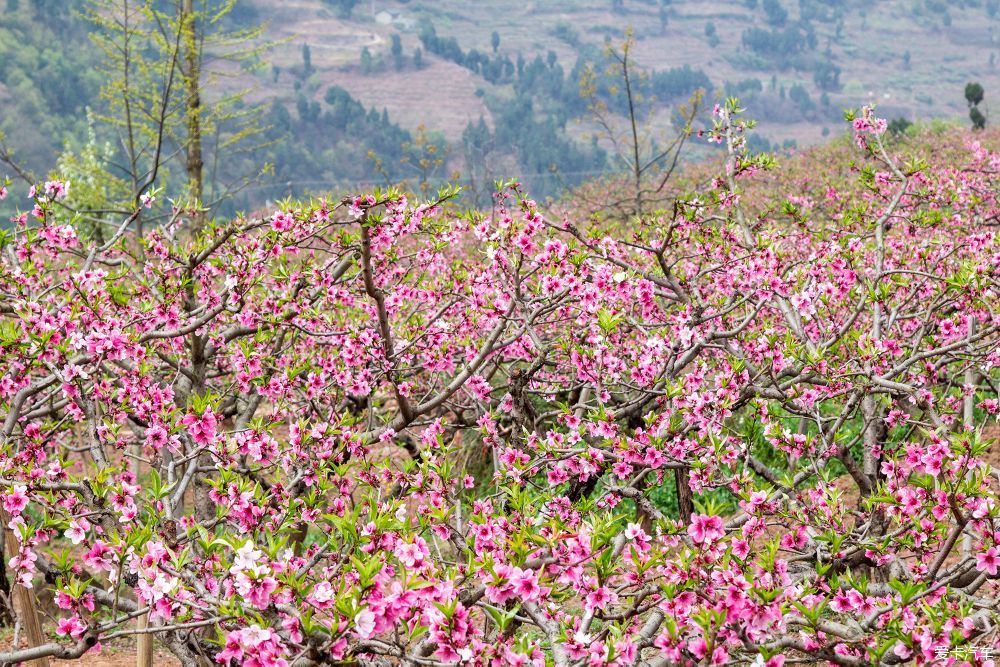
(118, 659)
(121, 656)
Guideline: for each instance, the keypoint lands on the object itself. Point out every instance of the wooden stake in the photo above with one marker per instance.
(144, 648)
(24, 598)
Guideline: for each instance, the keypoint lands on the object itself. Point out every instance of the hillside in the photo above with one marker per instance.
(911, 57)
(516, 66)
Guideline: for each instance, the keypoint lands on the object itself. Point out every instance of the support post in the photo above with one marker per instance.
(25, 605)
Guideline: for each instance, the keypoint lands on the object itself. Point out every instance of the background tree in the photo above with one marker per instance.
(974, 93)
(978, 118)
(160, 58)
(344, 7)
(827, 76)
(711, 34)
(396, 49)
(140, 91)
(974, 96)
(776, 14)
(192, 74)
(425, 154)
(649, 163)
(306, 60)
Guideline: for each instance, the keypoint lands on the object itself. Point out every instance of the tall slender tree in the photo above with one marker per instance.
(192, 107)
(160, 60)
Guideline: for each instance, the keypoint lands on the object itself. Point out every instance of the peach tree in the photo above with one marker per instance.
(384, 432)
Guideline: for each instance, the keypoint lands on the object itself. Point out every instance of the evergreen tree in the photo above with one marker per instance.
(396, 49)
(776, 14)
(974, 94)
(711, 35)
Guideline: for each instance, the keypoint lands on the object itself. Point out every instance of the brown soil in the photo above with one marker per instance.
(117, 656)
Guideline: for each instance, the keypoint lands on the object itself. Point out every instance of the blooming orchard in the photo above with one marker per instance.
(269, 438)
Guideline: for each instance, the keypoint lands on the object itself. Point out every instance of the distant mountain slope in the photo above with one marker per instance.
(515, 65)
(911, 56)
